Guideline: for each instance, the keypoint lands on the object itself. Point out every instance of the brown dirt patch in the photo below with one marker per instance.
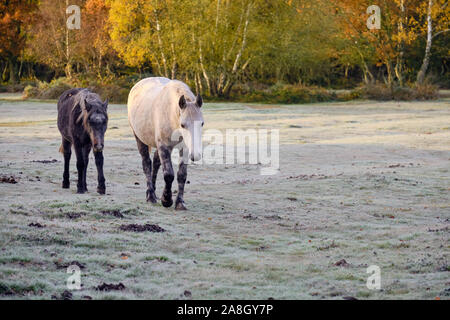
(141, 228)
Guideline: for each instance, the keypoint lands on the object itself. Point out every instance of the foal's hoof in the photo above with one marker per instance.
(101, 190)
(166, 201)
(66, 185)
(179, 205)
(81, 191)
(151, 197)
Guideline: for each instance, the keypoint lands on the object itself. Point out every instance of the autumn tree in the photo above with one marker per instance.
(437, 13)
(95, 44)
(15, 16)
(52, 43)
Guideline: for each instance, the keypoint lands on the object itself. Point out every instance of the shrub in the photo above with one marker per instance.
(18, 87)
(31, 92)
(282, 93)
(112, 92)
(377, 91)
(383, 92)
(403, 94)
(348, 95)
(56, 87)
(426, 91)
(54, 91)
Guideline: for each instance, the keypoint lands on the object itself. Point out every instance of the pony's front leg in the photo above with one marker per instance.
(181, 179)
(66, 149)
(164, 154)
(101, 178)
(80, 166)
(86, 151)
(147, 166)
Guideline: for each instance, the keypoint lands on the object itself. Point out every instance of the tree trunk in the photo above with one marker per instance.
(426, 59)
(390, 78)
(163, 57)
(401, 46)
(12, 70)
(5, 69)
(202, 66)
(68, 67)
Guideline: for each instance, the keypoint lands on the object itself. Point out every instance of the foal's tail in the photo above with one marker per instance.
(61, 148)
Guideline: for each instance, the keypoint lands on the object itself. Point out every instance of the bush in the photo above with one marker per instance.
(112, 92)
(382, 92)
(31, 92)
(377, 91)
(348, 95)
(45, 90)
(426, 91)
(18, 87)
(54, 89)
(282, 93)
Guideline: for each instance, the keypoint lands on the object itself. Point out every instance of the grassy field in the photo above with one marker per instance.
(362, 181)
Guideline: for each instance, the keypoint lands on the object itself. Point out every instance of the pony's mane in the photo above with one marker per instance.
(86, 97)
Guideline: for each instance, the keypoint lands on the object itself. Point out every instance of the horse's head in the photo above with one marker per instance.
(191, 123)
(95, 120)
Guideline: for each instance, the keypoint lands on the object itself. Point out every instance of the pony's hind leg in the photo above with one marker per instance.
(181, 179)
(164, 154)
(147, 166)
(66, 149)
(156, 165)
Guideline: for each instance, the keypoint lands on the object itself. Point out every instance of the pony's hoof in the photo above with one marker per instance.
(166, 202)
(151, 197)
(166, 198)
(180, 205)
(66, 185)
(80, 191)
(101, 190)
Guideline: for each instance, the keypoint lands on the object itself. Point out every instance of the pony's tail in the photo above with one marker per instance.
(61, 148)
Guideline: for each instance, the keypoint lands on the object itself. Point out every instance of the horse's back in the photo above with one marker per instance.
(145, 102)
(147, 89)
(65, 105)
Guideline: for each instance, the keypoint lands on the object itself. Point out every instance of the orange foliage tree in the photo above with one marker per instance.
(15, 16)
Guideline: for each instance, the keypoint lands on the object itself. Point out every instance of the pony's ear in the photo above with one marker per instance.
(105, 103)
(182, 102)
(199, 101)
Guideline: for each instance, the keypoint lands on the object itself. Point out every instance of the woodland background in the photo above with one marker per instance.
(286, 51)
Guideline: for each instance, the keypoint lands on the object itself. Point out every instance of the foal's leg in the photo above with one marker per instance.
(86, 151)
(147, 166)
(164, 154)
(67, 151)
(101, 178)
(80, 166)
(181, 179)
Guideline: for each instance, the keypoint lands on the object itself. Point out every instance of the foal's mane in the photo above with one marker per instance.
(83, 98)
